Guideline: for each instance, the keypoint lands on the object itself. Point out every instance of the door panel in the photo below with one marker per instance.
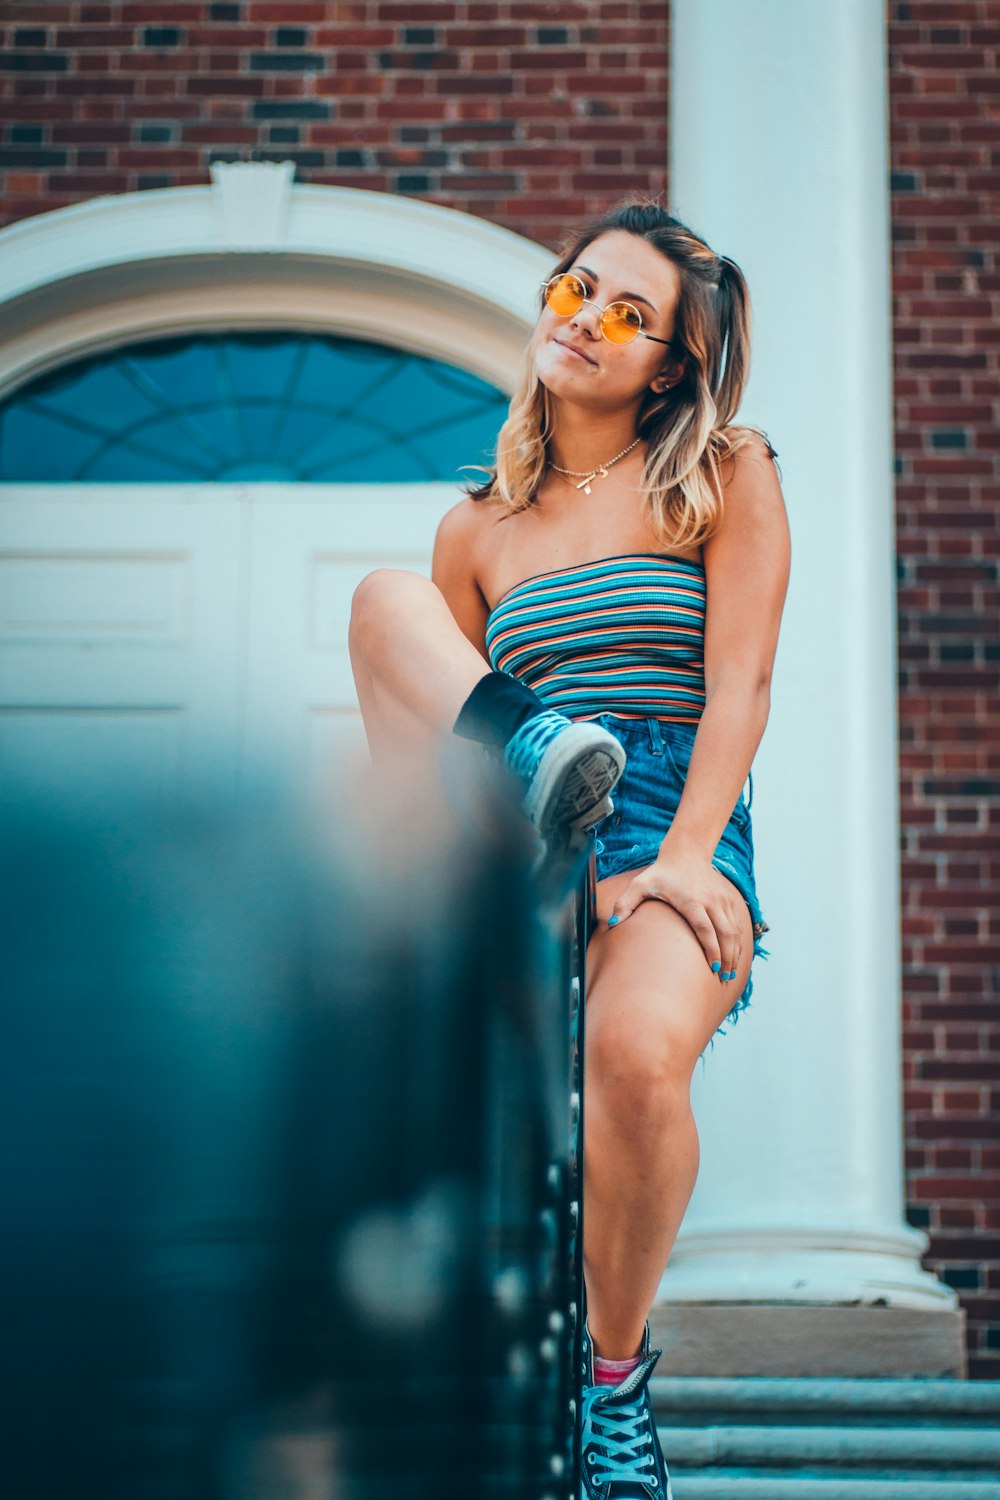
(310, 548)
(121, 630)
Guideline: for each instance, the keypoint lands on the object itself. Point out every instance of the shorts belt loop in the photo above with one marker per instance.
(655, 736)
(750, 801)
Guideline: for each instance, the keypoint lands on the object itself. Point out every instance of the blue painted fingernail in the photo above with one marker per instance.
(612, 921)
(716, 967)
(731, 974)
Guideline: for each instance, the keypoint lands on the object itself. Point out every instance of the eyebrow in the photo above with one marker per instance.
(632, 296)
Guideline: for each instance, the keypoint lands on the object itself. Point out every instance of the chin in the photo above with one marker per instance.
(559, 376)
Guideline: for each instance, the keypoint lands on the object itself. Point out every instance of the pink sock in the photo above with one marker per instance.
(613, 1371)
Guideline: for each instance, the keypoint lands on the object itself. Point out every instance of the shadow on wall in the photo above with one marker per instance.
(282, 1094)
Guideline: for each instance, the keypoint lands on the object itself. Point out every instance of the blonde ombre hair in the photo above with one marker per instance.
(687, 429)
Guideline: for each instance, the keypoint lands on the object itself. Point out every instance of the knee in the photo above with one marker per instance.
(378, 593)
(641, 1082)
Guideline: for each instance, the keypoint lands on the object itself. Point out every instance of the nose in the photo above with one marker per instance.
(588, 318)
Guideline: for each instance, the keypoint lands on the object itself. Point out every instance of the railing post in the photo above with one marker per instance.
(568, 909)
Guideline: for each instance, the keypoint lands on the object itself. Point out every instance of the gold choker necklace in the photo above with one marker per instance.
(601, 472)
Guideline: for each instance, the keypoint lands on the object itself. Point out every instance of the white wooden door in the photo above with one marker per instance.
(173, 632)
(122, 631)
(310, 547)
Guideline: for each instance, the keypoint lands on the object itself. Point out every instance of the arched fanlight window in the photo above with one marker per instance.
(250, 406)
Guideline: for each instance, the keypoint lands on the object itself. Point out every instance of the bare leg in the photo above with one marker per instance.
(412, 665)
(652, 1006)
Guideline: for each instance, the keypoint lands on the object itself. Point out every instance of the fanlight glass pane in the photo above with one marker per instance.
(251, 406)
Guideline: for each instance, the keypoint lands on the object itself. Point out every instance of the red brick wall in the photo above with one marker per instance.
(945, 127)
(531, 114)
(534, 115)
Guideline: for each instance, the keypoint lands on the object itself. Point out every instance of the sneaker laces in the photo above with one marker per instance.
(528, 744)
(623, 1430)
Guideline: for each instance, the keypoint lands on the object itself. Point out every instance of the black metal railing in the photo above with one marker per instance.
(568, 910)
(295, 1197)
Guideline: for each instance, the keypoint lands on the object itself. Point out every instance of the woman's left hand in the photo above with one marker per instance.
(706, 900)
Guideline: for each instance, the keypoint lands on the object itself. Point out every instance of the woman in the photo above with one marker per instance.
(623, 573)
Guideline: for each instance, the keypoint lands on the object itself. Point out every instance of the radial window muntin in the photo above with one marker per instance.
(262, 405)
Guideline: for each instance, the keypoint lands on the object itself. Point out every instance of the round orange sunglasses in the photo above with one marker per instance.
(620, 322)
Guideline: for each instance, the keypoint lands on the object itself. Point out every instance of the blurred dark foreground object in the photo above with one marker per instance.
(285, 1157)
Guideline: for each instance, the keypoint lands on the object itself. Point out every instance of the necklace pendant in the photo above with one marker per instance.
(601, 472)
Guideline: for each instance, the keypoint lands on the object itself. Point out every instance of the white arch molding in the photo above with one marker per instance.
(253, 250)
(187, 623)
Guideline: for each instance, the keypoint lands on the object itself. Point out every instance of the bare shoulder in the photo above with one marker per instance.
(754, 525)
(459, 540)
(752, 464)
(747, 565)
(455, 567)
(463, 522)
(751, 479)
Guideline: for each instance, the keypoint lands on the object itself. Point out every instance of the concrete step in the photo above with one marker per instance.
(797, 1487)
(874, 1448)
(765, 1438)
(683, 1397)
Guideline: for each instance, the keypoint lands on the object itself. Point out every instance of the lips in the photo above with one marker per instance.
(563, 344)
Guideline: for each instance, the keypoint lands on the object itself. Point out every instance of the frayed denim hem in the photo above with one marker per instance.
(759, 951)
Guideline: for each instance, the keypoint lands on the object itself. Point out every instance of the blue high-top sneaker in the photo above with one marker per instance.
(568, 770)
(620, 1455)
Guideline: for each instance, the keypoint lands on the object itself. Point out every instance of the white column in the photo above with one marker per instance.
(779, 159)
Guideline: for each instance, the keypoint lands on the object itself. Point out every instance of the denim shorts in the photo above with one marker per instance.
(646, 798)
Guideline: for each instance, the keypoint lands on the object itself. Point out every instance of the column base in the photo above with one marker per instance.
(878, 1265)
(803, 1339)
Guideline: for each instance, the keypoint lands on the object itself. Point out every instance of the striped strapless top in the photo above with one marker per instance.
(621, 635)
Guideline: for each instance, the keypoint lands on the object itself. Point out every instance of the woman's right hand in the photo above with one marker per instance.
(708, 902)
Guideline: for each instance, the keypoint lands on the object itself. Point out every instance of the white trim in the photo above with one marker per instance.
(255, 250)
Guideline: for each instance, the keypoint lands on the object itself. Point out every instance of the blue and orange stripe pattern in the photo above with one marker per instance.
(622, 635)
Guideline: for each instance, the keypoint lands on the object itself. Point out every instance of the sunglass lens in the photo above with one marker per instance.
(565, 294)
(620, 322)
